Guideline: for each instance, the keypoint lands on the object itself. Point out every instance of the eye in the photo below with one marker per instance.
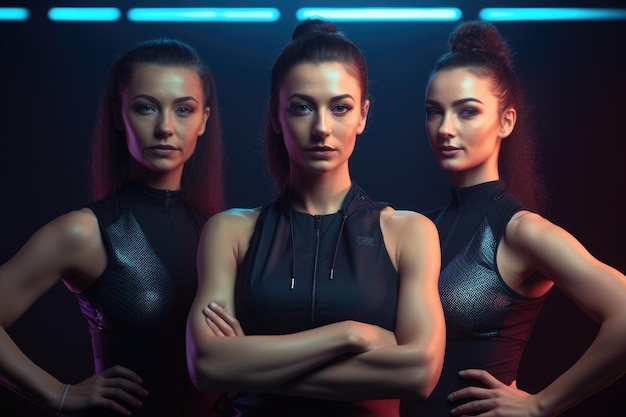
(341, 108)
(468, 112)
(144, 108)
(299, 108)
(184, 110)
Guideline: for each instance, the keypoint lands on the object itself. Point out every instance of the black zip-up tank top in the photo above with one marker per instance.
(303, 271)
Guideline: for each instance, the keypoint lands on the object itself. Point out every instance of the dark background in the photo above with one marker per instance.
(52, 73)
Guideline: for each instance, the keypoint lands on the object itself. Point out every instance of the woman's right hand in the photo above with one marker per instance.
(114, 389)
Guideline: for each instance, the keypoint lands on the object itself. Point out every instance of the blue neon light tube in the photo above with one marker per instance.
(370, 14)
(550, 13)
(14, 13)
(84, 14)
(203, 14)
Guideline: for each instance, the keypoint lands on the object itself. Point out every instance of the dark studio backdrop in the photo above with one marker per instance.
(52, 74)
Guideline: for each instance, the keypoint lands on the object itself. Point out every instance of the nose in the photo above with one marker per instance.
(165, 126)
(447, 129)
(321, 127)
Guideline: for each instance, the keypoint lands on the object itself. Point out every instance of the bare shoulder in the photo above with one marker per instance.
(405, 221)
(73, 230)
(229, 232)
(410, 237)
(70, 246)
(233, 220)
(542, 244)
(530, 230)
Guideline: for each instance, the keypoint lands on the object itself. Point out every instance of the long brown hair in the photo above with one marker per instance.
(202, 175)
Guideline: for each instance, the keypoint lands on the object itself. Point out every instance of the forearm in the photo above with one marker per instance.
(21, 375)
(391, 372)
(602, 363)
(255, 363)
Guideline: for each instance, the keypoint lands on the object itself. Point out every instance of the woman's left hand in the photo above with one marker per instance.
(497, 399)
(221, 322)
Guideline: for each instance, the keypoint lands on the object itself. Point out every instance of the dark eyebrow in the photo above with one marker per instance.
(455, 103)
(154, 100)
(309, 98)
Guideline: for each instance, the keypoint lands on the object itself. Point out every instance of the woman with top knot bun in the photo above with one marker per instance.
(322, 302)
(500, 257)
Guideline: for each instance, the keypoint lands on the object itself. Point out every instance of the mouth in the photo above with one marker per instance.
(320, 152)
(165, 147)
(320, 149)
(162, 150)
(448, 151)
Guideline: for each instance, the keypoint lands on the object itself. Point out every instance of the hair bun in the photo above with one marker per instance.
(479, 36)
(311, 27)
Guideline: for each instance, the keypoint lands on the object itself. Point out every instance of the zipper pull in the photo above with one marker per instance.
(168, 197)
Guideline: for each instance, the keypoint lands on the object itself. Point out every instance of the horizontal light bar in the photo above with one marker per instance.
(84, 14)
(203, 14)
(369, 14)
(550, 13)
(14, 13)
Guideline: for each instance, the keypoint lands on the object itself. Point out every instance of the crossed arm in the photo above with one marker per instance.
(346, 360)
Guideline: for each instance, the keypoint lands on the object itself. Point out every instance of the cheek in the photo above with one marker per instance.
(292, 130)
(132, 143)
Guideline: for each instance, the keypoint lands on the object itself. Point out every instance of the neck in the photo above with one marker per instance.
(322, 194)
(159, 180)
(474, 176)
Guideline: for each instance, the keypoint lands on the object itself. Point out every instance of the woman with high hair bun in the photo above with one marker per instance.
(323, 302)
(499, 256)
(130, 255)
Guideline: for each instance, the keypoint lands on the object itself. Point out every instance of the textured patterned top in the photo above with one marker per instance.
(137, 309)
(488, 323)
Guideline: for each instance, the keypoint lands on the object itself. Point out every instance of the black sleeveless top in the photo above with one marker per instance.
(303, 271)
(137, 309)
(487, 323)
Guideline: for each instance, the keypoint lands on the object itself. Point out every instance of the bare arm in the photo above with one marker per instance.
(254, 363)
(68, 246)
(598, 289)
(411, 368)
(408, 368)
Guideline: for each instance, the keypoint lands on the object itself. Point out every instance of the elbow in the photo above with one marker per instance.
(420, 385)
(423, 377)
(204, 378)
(203, 373)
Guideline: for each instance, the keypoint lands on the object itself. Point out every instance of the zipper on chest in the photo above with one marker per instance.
(316, 248)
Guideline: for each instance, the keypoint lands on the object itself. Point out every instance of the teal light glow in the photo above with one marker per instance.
(203, 15)
(84, 14)
(370, 14)
(550, 13)
(14, 13)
